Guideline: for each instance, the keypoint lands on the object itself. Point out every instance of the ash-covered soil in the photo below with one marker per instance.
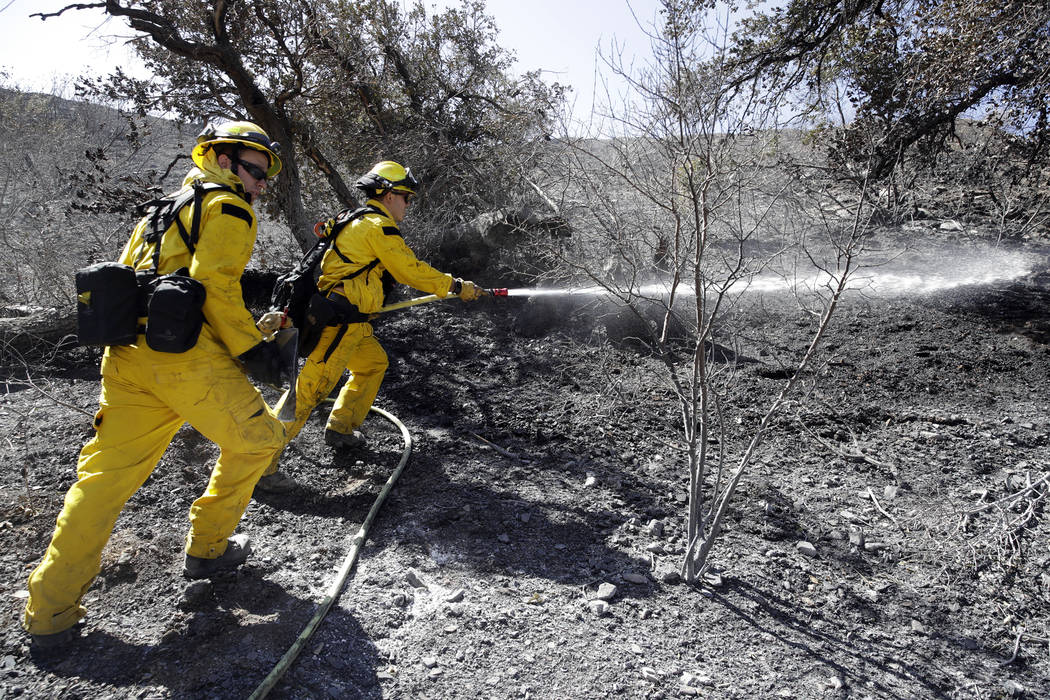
(548, 464)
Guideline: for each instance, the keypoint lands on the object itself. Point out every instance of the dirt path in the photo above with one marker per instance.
(480, 576)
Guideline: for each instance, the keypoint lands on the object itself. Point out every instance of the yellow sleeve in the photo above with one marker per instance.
(402, 263)
(227, 236)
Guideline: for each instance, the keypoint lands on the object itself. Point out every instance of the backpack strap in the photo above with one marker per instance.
(342, 220)
(164, 212)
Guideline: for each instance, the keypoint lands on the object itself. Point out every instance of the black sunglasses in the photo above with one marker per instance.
(252, 169)
(407, 195)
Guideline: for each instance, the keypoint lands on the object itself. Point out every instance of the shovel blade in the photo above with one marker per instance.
(287, 412)
(288, 343)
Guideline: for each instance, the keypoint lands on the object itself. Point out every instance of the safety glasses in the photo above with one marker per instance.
(254, 170)
(408, 196)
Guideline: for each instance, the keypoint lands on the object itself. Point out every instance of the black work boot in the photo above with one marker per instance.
(47, 643)
(352, 441)
(237, 550)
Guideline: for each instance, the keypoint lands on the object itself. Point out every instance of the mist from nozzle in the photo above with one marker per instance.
(894, 275)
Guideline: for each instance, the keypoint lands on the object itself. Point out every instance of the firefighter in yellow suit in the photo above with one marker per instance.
(372, 240)
(147, 395)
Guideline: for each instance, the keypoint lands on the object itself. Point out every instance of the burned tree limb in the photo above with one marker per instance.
(37, 332)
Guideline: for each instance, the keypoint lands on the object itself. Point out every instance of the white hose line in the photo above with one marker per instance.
(344, 571)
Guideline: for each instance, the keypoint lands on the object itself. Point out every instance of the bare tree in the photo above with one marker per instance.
(910, 70)
(683, 211)
(342, 85)
(60, 159)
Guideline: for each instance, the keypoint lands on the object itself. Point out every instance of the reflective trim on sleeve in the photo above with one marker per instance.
(239, 212)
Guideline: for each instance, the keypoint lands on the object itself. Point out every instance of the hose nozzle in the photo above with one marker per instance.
(497, 291)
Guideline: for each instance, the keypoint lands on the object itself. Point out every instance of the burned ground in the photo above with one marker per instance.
(546, 464)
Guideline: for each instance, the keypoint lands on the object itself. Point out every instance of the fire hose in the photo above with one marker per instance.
(495, 292)
(336, 588)
(286, 661)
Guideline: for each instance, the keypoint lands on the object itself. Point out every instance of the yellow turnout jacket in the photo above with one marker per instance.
(376, 237)
(227, 236)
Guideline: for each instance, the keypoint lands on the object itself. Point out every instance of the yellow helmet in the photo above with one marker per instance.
(387, 175)
(244, 134)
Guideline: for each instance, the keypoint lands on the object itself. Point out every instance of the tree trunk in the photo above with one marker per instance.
(37, 333)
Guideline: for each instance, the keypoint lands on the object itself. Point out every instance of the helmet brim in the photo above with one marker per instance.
(201, 148)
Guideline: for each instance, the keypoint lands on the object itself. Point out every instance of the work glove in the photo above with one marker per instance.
(271, 322)
(466, 290)
(262, 363)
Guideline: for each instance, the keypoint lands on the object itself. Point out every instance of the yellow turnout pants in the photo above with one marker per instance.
(146, 397)
(357, 351)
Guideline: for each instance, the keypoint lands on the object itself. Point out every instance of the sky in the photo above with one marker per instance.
(559, 37)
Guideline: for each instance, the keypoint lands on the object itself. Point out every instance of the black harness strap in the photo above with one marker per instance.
(164, 212)
(344, 219)
(335, 341)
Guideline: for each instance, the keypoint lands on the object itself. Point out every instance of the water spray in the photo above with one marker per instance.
(981, 267)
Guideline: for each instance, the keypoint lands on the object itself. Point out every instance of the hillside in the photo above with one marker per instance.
(546, 467)
(890, 540)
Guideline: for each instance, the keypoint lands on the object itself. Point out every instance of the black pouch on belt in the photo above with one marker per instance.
(175, 313)
(107, 304)
(322, 311)
(319, 314)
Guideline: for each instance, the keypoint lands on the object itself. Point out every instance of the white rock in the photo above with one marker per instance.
(598, 607)
(890, 492)
(670, 576)
(1013, 688)
(414, 579)
(590, 481)
(606, 591)
(429, 661)
(195, 595)
(806, 548)
(651, 674)
(455, 596)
